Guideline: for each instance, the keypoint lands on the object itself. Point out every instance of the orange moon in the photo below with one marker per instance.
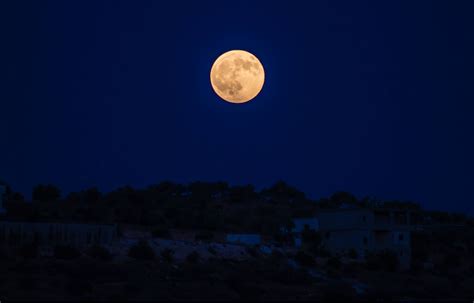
(237, 76)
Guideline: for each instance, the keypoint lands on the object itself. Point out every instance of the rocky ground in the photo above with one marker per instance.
(253, 275)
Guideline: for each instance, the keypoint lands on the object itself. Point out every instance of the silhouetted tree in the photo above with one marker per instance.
(239, 194)
(193, 257)
(92, 195)
(141, 251)
(46, 193)
(342, 197)
(99, 252)
(311, 239)
(167, 255)
(66, 252)
(280, 192)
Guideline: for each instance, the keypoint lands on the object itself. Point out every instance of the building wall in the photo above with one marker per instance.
(363, 231)
(301, 223)
(345, 219)
(345, 240)
(48, 234)
(247, 239)
(402, 246)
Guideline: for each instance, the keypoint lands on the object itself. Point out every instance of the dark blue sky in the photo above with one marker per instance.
(372, 97)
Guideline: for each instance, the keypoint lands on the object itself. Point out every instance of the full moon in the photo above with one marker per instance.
(237, 76)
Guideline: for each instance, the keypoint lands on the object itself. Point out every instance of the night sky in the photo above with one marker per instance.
(375, 98)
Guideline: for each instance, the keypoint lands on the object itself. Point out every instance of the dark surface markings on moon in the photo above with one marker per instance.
(236, 75)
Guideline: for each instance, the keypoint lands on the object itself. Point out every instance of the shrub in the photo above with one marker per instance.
(384, 260)
(334, 262)
(339, 292)
(311, 239)
(353, 254)
(28, 251)
(452, 260)
(304, 259)
(212, 250)
(99, 252)
(277, 254)
(204, 236)
(27, 283)
(141, 251)
(66, 252)
(167, 255)
(78, 287)
(252, 251)
(4, 253)
(161, 233)
(323, 253)
(193, 257)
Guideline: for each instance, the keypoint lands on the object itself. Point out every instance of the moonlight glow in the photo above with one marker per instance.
(237, 76)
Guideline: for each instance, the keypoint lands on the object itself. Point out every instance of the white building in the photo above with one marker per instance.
(367, 230)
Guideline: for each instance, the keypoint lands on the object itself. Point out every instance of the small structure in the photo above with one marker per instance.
(367, 230)
(246, 239)
(50, 234)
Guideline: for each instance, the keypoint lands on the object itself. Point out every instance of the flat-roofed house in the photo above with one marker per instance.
(367, 230)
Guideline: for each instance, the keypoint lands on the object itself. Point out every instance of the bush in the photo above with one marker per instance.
(384, 260)
(27, 283)
(4, 253)
(353, 254)
(212, 250)
(276, 254)
(204, 236)
(167, 255)
(311, 239)
(141, 251)
(28, 251)
(339, 292)
(334, 262)
(304, 259)
(323, 253)
(99, 252)
(452, 260)
(66, 252)
(193, 257)
(252, 251)
(78, 287)
(161, 233)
